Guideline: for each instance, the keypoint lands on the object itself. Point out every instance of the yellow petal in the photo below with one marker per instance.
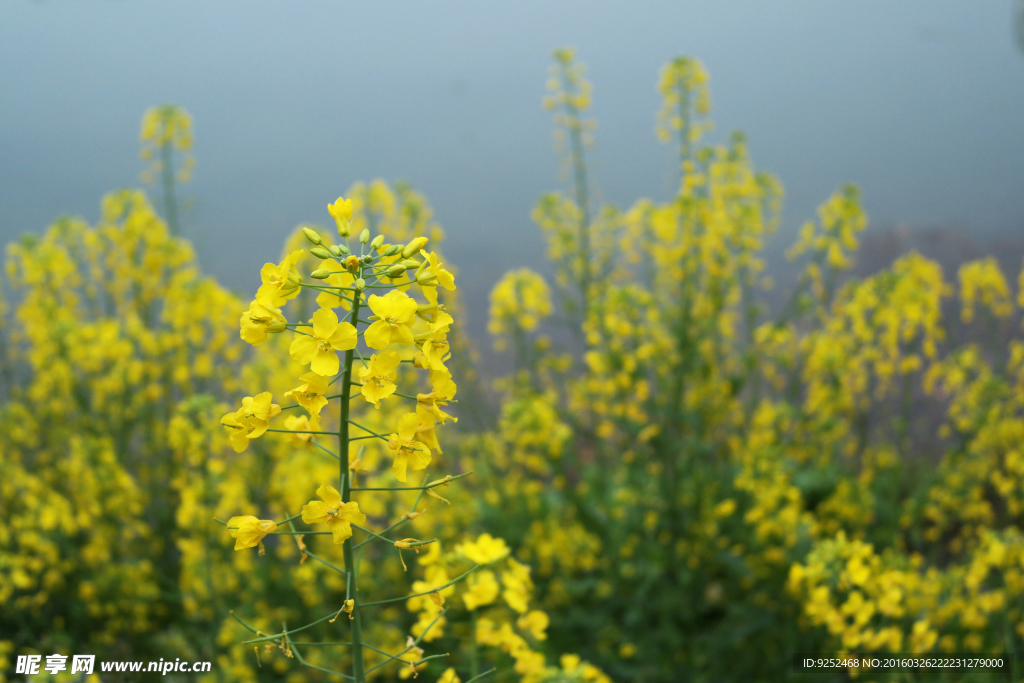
(303, 348)
(315, 512)
(325, 363)
(344, 337)
(419, 458)
(377, 335)
(399, 465)
(330, 495)
(340, 530)
(325, 322)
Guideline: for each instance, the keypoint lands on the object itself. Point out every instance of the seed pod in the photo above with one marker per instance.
(414, 247)
(396, 270)
(393, 249)
(312, 236)
(320, 252)
(321, 274)
(377, 241)
(364, 236)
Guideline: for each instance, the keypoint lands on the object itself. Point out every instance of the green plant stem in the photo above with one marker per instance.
(167, 174)
(418, 595)
(303, 662)
(358, 672)
(474, 652)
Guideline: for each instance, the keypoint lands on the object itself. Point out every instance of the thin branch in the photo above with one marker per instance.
(418, 595)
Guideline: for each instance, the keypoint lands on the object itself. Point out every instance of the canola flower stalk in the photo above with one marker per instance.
(317, 344)
(164, 129)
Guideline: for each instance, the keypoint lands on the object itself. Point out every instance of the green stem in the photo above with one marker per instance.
(419, 595)
(358, 671)
(475, 652)
(170, 202)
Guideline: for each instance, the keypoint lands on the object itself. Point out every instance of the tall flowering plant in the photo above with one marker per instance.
(379, 329)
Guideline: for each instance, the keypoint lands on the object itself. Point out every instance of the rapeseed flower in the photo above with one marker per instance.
(339, 517)
(248, 531)
(406, 450)
(318, 349)
(393, 314)
(379, 377)
(280, 283)
(261, 319)
(311, 395)
(251, 420)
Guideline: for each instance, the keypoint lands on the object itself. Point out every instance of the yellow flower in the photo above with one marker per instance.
(517, 585)
(536, 622)
(260, 320)
(279, 282)
(379, 378)
(485, 550)
(394, 313)
(406, 450)
(341, 210)
(435, 348)
(443, 391)
(333, 299)
(311, 396)
(449, 676)
(251, 420)
(248, 531)
(482, 590)
(328, 336)
(441, 276)
(301, 427)
(425, 431)
(338, 516)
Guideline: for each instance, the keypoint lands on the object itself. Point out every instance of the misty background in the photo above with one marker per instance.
(921, 103)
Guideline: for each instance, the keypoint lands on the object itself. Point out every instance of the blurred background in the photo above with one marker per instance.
(919, 103)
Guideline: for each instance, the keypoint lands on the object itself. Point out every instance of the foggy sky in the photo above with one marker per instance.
(919, 102)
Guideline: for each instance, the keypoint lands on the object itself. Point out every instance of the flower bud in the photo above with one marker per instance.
(377, 241)
(414, 246)
(335, 250)
(366, 260)
(312, 236)
(320, 252)
(360, 284)
(427, 279)
(393, 249)
(396, 270)
(352, 263)
(343, 248)
(364, 236)
(277, 327)
(410, 264)
(321, 274)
